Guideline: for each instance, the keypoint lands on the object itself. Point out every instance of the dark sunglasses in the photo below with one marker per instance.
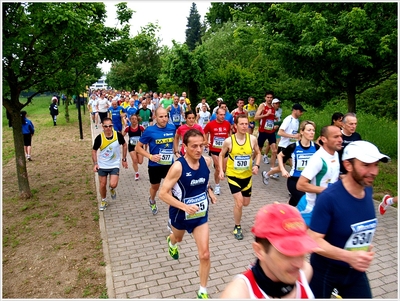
(108, 126)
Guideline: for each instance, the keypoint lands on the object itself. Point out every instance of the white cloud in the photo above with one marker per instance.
(171, 16)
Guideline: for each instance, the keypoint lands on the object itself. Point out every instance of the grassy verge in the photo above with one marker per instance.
(52, 247)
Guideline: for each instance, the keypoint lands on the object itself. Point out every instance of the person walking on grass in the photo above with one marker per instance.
(27, 131)
(187, 192)
(134, 131)
(107, 161)
(54, 110)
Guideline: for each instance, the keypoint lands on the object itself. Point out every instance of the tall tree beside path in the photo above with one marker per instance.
(54, 47)
(193, 28)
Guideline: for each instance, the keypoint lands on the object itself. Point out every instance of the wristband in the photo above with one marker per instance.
(124, 160)
(150, 157)
(94, 163)
(257, 166)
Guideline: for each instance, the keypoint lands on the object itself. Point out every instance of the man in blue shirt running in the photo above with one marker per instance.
(160, 138)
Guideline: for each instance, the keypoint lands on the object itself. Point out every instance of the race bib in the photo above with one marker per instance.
(133, 140)
(176, 118)
(205, 120)
(145, 124)
(269, 125)
(107, 154)
(293, 139)
(252, 113)
(166, 156)
(362, 235)
(302, 161)
(218, 141)
(200, 201)
(241, 163)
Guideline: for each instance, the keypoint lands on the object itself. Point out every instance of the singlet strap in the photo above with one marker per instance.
(256, 290)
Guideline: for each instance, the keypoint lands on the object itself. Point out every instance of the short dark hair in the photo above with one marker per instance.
(191, 133)
(107, 119)
(269, 92)
(187, 113)
(264, 242)
(239, 99)
(336, 116)
(240, 116)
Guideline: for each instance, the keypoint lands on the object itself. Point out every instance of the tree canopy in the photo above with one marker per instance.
(52, 47)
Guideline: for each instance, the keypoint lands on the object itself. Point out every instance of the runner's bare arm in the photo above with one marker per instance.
(359, 260)
(226, 146)
(258, 115)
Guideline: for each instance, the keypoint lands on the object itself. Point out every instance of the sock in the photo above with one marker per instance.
(152, 201)
(171, 245)
(216, 185)
(202, 290)
(104, 200)
(389, 201)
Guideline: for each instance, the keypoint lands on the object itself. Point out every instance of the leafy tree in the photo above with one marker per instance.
(143, 63)
(183, 69)
(343, 47)
(54, 47)
(193, 28)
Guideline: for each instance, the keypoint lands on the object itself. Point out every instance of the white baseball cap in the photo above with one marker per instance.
(275, 100)
(364, 151)
(219, 99)
(181, 98)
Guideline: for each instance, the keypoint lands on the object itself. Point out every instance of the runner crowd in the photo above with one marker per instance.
(337, 168)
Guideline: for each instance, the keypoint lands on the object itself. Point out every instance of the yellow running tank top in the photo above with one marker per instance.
(240, 162)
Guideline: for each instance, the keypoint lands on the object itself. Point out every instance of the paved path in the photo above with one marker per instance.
(138, 263)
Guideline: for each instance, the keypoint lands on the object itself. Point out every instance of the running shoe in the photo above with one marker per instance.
(274, 176)
(217, 190)
(153, 207)
(103, 205)
(136, 176)
(29, 158)
(169, 226)
(237, 232)
(265, 159)
(265, 177)
(384, 205)
(203, 296)
(173, 251)
(113, 193)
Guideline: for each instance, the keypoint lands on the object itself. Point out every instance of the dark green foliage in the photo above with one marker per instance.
(193, 28)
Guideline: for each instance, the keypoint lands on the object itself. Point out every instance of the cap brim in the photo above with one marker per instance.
(295, 246)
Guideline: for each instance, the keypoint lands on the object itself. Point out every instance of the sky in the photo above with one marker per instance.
(171, 16)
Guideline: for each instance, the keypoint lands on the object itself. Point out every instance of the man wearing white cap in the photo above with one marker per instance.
(343, 224)
(281, 245)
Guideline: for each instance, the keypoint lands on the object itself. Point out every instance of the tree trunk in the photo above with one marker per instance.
(66, 110)
(351, 99)
(20, 160)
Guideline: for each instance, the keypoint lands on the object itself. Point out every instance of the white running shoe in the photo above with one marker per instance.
(217, 190)
(265, 177)
(265, 159)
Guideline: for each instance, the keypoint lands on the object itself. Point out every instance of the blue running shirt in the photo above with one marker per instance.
(161, 142)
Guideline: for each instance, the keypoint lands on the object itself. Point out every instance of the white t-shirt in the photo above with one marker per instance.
(103, 105)
(93, 103)
(322, 170)
(291, 126)
(204, 118)
(278, 114)
(200, 105)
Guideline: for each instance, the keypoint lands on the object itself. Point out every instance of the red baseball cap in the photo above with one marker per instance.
(284, 227)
